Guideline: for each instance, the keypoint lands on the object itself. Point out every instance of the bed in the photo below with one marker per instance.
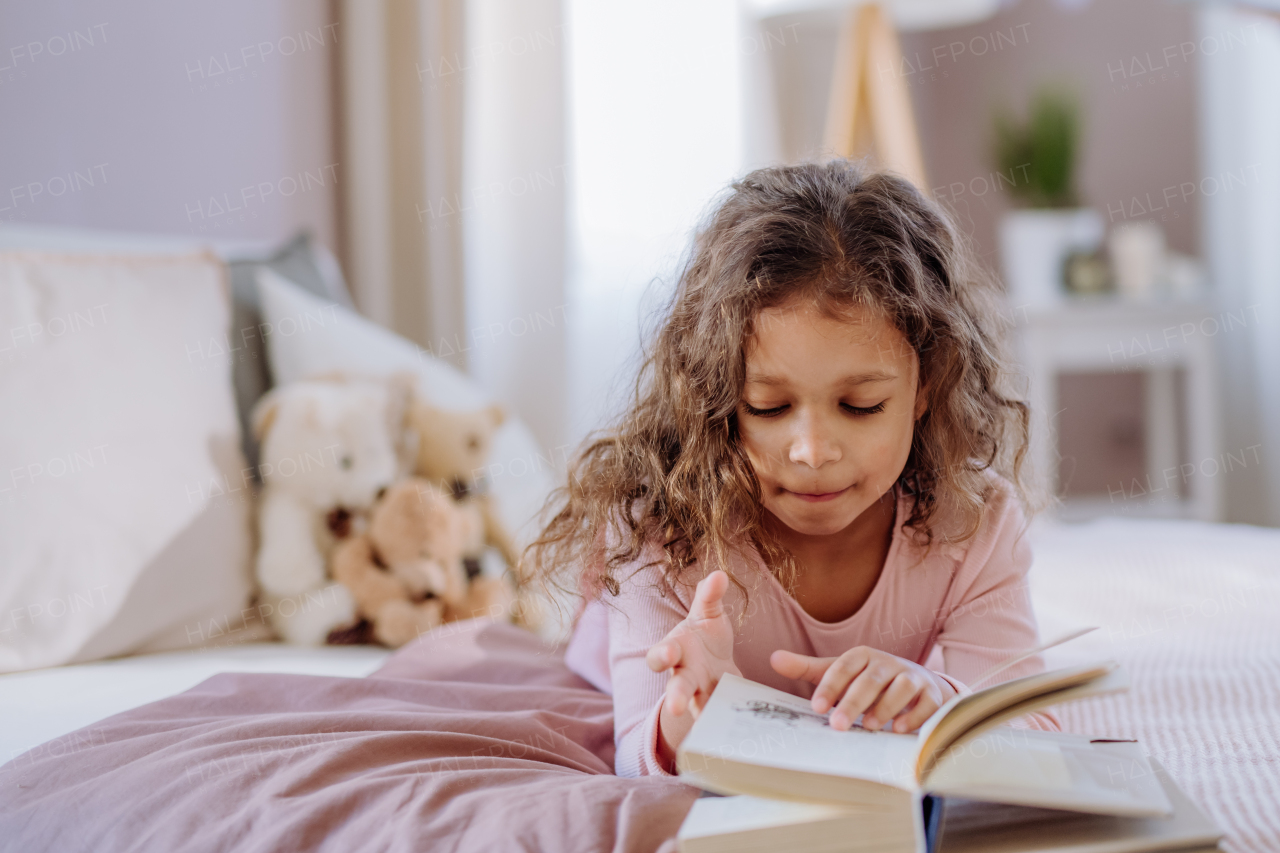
(476, 737)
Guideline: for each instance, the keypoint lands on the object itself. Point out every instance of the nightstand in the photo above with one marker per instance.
(1162, 340)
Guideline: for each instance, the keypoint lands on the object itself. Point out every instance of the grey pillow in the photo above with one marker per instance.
(305, 263)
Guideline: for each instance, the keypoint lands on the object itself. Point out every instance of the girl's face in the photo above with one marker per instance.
(827, 414)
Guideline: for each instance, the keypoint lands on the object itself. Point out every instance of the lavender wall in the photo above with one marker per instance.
(193, 118)
(1135, 76)
(1140, 134)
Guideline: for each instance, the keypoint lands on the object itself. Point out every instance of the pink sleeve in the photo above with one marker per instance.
(645, 611)
(991, 617)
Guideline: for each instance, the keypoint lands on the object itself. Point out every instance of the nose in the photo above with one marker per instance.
(812, 443)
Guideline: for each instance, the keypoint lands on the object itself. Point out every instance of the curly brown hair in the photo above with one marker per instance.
(671, 471)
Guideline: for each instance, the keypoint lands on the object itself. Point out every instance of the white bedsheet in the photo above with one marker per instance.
(43, 704)
(1192, 611)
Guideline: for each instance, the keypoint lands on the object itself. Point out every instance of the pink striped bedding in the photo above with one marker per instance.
(472, 739)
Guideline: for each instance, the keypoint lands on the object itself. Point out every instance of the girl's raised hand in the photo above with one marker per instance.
(867, 681)
(697, 651)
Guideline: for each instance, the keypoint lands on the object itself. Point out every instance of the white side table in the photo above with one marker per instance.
(1107, 335)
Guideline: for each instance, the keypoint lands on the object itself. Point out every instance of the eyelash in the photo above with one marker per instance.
(777, 410)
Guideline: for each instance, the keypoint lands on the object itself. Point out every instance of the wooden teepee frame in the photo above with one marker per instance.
(869, 112)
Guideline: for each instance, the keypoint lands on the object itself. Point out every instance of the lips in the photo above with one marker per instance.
(818, 497)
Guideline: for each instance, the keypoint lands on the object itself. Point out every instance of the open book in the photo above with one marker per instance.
(754, 825)
(753, 739)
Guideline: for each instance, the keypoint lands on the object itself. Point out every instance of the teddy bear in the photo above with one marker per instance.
(406, 572)
(329, 447)
(452, 453)
(453, 450)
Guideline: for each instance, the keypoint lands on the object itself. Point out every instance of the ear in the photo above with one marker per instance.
(922, 401)
(400, 403)
(264, 414)
(399, 399)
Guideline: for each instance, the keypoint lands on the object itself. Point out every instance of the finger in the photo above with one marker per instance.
(862, 692)
(842, 672)
(925, 706)
(708, 597)
(702, 697)
(895, 697)
(800, 667)
(663, 655)
(680, 692)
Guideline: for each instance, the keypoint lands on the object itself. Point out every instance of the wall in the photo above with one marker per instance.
(208, 119)
(1139, 137)
(1139, 129)
(1241, 131)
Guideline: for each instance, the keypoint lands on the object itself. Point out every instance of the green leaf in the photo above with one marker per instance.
(1039, 155)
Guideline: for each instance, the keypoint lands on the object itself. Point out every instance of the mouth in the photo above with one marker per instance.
(818, 497)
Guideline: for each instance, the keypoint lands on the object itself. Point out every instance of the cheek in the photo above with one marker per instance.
(896, 439)
(888, 443)
(762, 449)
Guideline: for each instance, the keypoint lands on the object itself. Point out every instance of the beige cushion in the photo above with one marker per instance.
(124, 509)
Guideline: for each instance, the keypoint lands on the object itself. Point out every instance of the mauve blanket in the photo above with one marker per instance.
(474, 737)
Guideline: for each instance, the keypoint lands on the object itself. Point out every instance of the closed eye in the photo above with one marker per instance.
(777, 410)
(764, 413)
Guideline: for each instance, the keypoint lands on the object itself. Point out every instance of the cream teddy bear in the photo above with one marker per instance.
(329, 447)
(406, 572)
(453, 454)
(453, 451)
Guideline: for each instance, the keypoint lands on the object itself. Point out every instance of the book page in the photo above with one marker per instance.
(987, 707)
(1052, 770)
(750, 722)
(716, 815)
(970, 826)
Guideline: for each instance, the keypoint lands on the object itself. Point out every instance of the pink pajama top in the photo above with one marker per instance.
(955, 609)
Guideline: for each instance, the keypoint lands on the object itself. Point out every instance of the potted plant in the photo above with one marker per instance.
(1039, 155)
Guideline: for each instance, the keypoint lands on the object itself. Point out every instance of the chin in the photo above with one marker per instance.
(813, 528)
(816, 523)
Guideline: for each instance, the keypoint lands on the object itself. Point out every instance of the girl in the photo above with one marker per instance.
(818, 486)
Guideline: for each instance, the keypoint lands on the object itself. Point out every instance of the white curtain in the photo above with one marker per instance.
(454, 206)
(1240, 184)
(655, 130)
(401, 151)
(515, 174)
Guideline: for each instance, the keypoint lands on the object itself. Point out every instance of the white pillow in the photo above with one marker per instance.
(125, 521)
(309, 337)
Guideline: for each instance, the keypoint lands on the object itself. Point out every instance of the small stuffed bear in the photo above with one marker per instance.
(329, 446)
(453, 451)
(406, 573)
